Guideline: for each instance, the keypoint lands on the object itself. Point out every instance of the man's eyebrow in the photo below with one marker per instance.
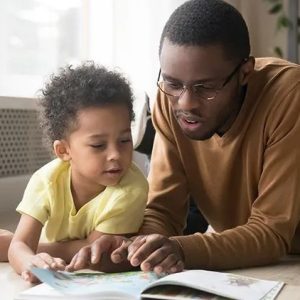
(165, 76)
(170, 78)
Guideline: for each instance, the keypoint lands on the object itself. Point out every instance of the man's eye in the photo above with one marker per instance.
(173, 85)
(202, 87)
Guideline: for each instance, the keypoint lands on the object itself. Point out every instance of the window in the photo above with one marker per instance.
(37, 36)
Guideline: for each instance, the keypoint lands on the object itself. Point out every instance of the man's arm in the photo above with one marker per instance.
(274, 214)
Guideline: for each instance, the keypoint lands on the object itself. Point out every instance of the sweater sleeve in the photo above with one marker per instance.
(275, 213)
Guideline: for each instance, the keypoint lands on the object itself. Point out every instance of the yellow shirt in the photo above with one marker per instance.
(246, 182)
(118, 209)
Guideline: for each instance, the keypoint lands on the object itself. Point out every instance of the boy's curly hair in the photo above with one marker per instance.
(73, 89)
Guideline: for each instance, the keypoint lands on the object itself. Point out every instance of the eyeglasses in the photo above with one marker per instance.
(200, 90)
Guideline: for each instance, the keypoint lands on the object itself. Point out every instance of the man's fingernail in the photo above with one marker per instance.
(146, 266)
(117, 257)
(135, 262)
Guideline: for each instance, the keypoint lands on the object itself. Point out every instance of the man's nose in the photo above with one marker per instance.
(187, 100)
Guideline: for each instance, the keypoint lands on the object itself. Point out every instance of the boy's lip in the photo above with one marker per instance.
(113, 170)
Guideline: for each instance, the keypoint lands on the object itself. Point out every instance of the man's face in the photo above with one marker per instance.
(200, 118)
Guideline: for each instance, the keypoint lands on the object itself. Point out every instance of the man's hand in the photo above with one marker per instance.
(90, 256)
(155, 253)
(42, 260)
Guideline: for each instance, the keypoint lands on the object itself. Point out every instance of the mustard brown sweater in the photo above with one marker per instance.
(246, 183)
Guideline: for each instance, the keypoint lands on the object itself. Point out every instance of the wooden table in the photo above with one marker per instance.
(288, 271)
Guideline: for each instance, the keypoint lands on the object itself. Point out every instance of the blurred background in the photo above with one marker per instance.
(39, 36)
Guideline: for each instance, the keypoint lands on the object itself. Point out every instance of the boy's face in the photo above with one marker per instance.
(100, 148)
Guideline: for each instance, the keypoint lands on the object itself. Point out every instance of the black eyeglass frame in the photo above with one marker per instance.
(185, 87)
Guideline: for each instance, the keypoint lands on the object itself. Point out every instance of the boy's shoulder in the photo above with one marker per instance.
(52, 170)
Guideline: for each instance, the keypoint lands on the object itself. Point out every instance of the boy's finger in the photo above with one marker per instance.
(70, 266)
(83, 258)
(40, 262)
(28, 276)
(58, 264)
(25, 275)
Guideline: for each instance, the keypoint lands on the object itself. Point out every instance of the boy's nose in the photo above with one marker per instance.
(113, 153)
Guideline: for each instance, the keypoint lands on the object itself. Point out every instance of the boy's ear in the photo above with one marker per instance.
(246, 70)
(62, 150)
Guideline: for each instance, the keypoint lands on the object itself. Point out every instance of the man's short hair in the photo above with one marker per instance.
(208, 22)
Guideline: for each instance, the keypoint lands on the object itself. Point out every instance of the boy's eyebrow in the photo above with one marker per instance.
(96, 136)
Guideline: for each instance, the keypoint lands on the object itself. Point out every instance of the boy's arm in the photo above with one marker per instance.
(99, 255)
(67, 249)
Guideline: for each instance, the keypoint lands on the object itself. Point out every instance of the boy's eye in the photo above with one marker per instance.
(126, 140)
(98, 146)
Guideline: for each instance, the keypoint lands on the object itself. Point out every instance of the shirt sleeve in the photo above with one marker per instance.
(35, 201)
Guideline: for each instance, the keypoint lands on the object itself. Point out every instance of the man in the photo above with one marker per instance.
(227, 133)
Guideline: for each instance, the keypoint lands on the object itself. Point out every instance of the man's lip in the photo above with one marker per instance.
(195, 119)
(191, 117)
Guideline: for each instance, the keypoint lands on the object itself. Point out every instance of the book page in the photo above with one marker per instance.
(45, 292)
(222, 284)
(96, 283)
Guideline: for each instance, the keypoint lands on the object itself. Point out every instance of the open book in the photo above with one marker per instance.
(192, 284)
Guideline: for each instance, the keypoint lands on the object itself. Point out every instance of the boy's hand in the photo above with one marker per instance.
(156, 253)
(89, 256)
(42, 260)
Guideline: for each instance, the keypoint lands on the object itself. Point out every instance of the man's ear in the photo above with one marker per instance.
(62, 150)
(246, 70)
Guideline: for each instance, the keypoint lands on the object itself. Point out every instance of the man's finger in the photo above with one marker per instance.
(135, 245)
(120, 254)
(146, 247)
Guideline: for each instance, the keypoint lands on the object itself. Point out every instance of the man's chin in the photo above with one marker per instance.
(198, 136)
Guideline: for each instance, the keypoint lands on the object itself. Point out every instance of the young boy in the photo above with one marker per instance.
(92, 187)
